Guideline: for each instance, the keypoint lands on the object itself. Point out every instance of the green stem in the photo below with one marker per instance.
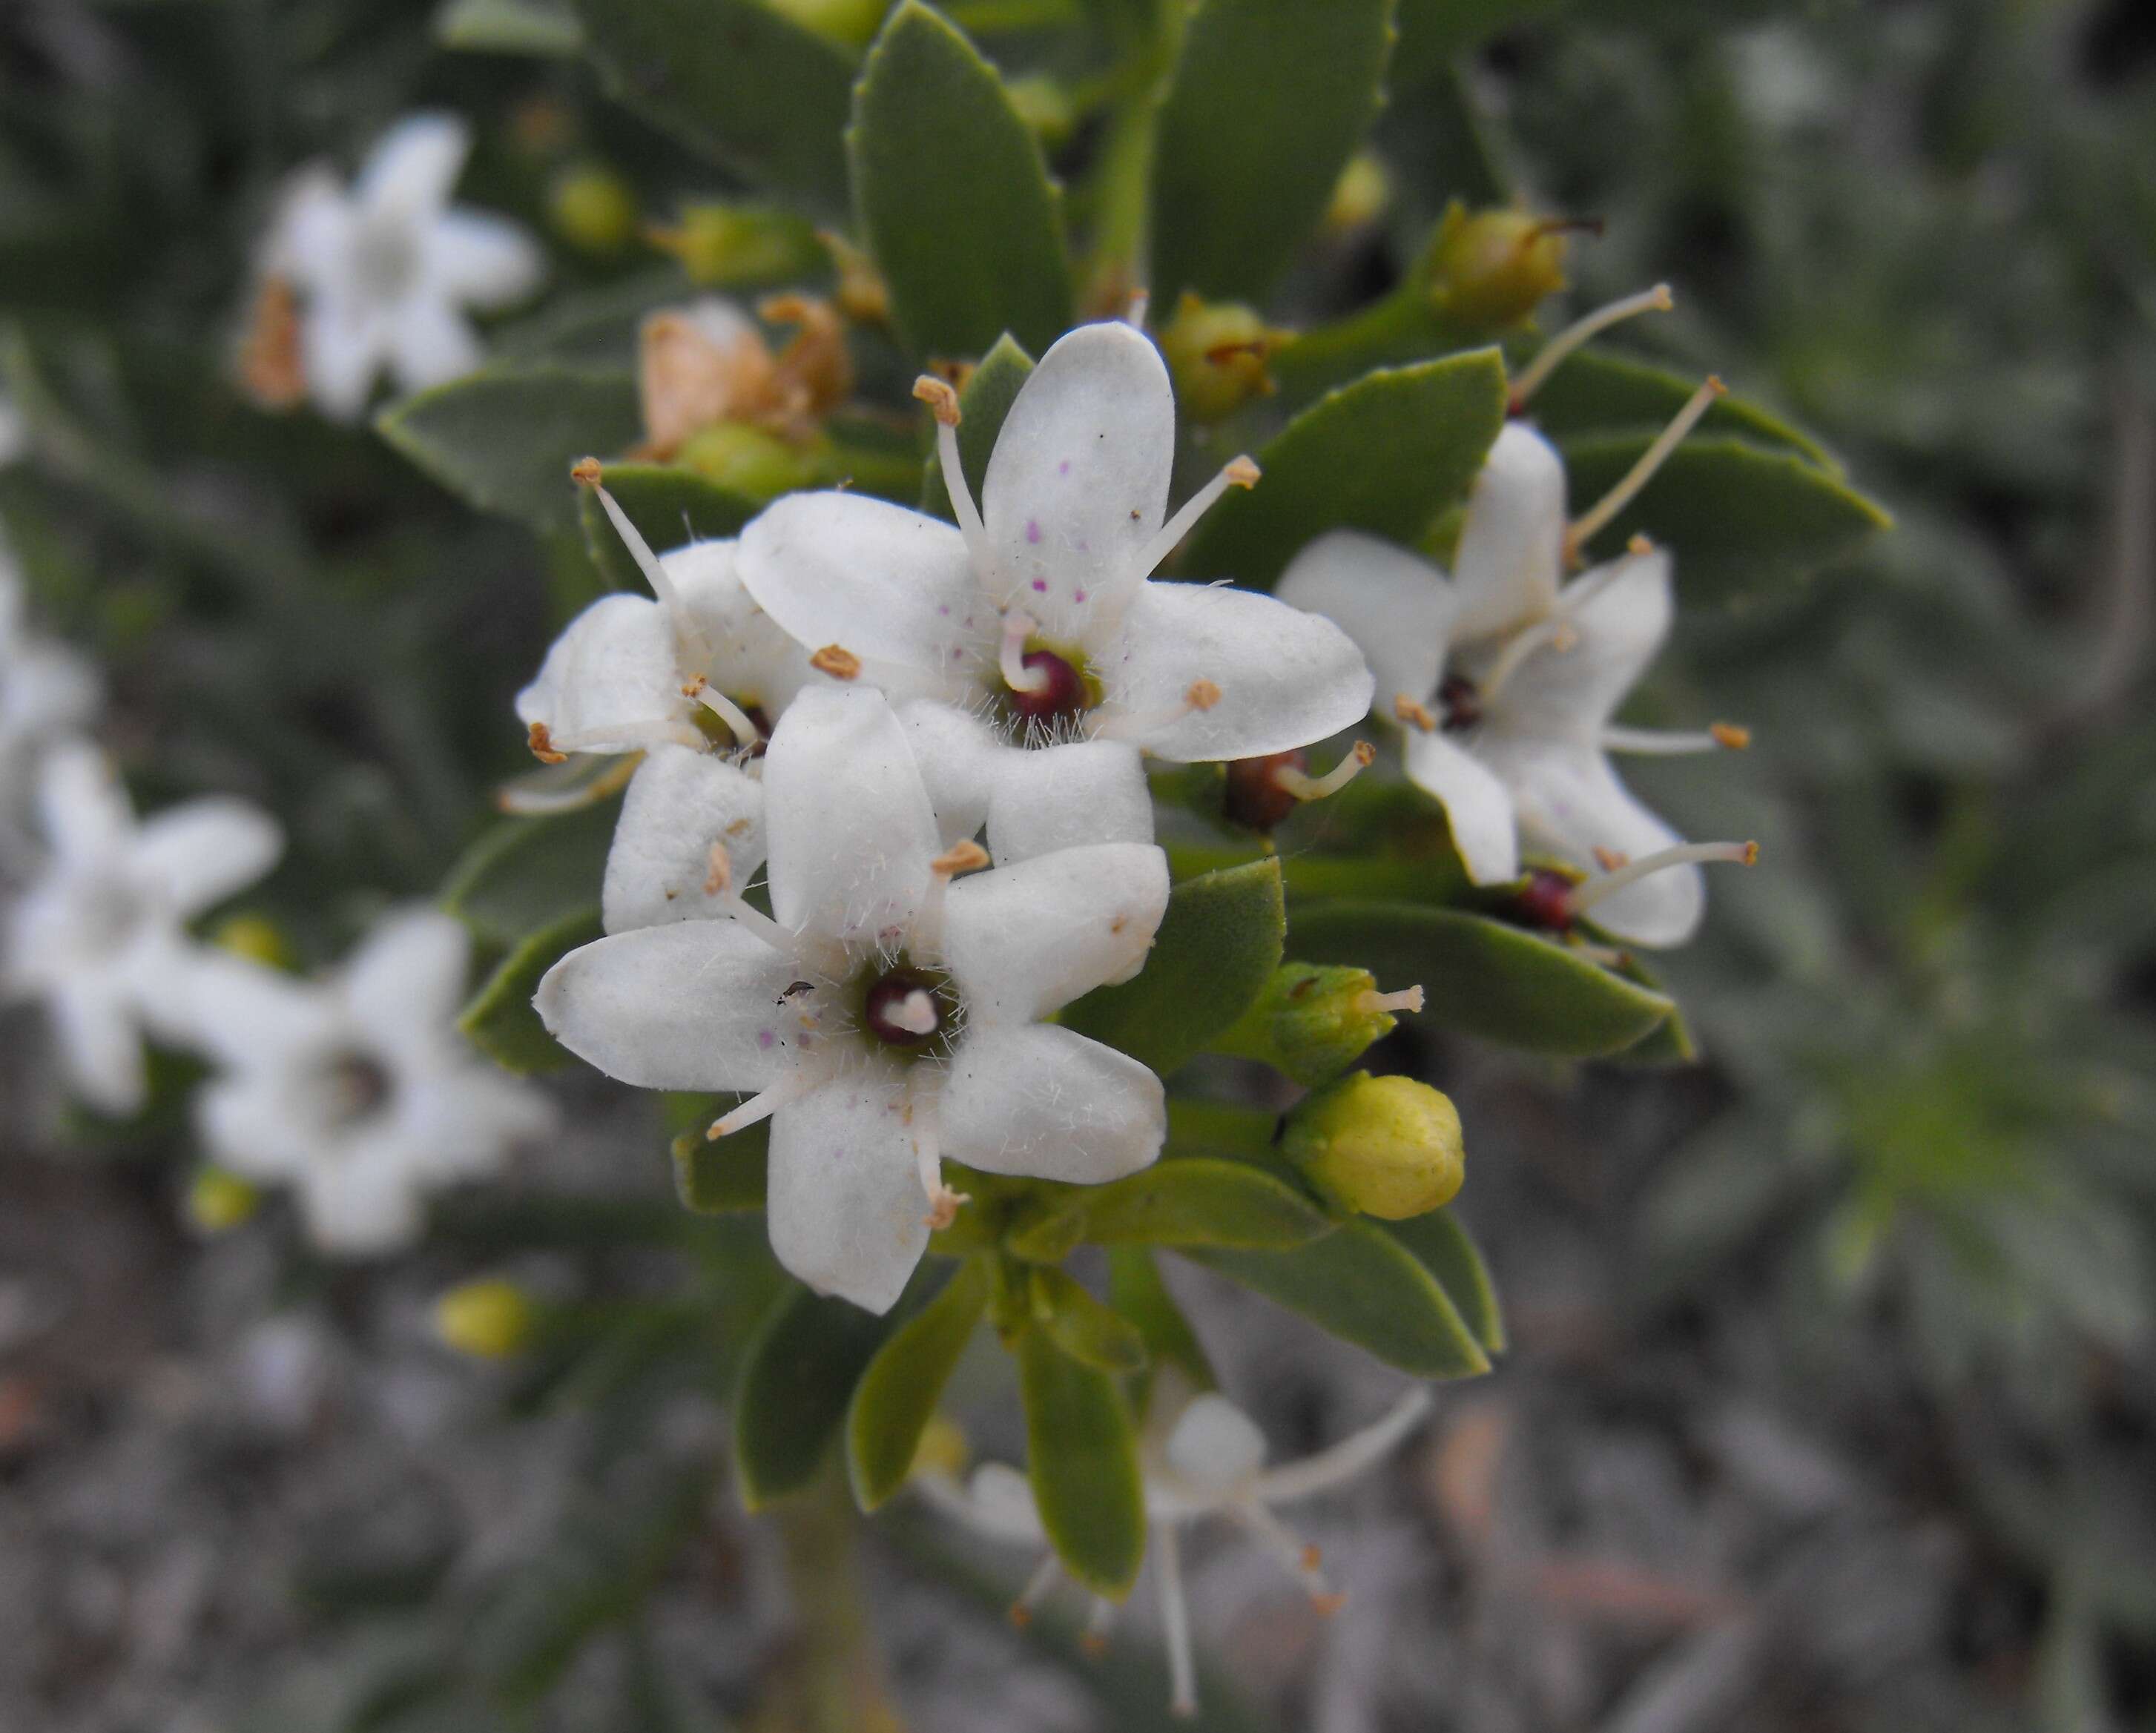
(834, 1681)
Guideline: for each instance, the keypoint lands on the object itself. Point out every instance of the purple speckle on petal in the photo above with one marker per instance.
(1077, 594)
(1032, 530)
(944, 609)
(1041, 585)
(1063, 468)
(765, 1038)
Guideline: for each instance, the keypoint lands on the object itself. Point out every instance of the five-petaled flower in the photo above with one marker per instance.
(388, 267)
(1049, 659)
(885, 1016)
(355, 1089)
(100, 935)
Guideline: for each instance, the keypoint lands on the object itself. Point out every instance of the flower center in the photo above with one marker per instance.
(1461, 702)
(355, 1086)
(1545, 901)
(107, 912)
(720, 733)
(1257, 798)
(905, 1008)
(1057, 689)
(384, 260)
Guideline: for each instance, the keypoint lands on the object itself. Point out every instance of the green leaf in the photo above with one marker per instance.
(735, 79)
(499, 1019)
(1267, 101)
(1433, 31)
(1082, 1327)
(983, 404)
(1386, 454)
(528, 874)
(723, 1176)
(669, 507)
(1201, 1201)
(1596, 392)
(503, 438)
(896, 1397)
(545, 28)
(1740, 518)
(1484, 977)
(1442, 1246)
(952, 196)
(1136, 1290)
(797, 1378)
(1365, 1286)
(1082, 1458)
(1218, 946)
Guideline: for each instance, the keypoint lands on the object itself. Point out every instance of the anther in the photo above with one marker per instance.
(966, 856)
(839, 663)
(1584, 529)
(1657, 299)
(1731, 737)
(1010, 653)
(586, 472)
(1415, 716)
(702, 691)
(1661, 743)
(541, 740)
(1585, 896)
(1202, 695)
(941, 400)
(1304, 786)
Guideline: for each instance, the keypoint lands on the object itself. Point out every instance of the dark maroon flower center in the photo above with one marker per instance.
(1255, 800)
(1061, 692)
(903, 1009)
(1459, 704)
(1546, 901)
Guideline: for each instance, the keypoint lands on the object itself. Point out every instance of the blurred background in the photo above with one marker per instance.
(1830, 1401)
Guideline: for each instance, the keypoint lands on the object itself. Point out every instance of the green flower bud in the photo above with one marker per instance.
(219, 1201)
(1217, 352)
(592, 208)
(1386, 1147)
(723, 246)
(488, 1320)
(850, 23)
(257, 939)
(1044, 105)
(750, 462)
(1360, 196)
(1313, 1021)
(1492, 269)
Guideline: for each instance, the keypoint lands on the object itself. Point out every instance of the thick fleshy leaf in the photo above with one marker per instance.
(1743, 519)
(983, 402)
(798, 1375)
(1267, 101)
(1082, 1327)
(1595, 392)
(1033, 1099)
(1024, 940)
(1367, 1289)
(503, 438)
(668, 505)
(1386, 454)
(1082, 1460)
(1199, 1201)
(1441, 1243)
(737, 81)
(1218, 946)
(525, 873)
(726, 1177)
(896, 1397)
(953, 195)
(1484, 977)
(501, 1020)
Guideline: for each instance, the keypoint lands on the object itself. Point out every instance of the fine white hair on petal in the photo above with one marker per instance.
(1048, 798)
(844, 1197)
(1396, 606)
(960, 758)
(1512, 541)
(611, 677)
(661, 868)
(1023, 940)
(1032, 1100)
(1077, 485)
(1477, 802)
(1214, 1446)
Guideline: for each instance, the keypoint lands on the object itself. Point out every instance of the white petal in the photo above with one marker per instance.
(100, 1045)
(406, 983)
(1067, 797)
(46, 691)
(887, 585)
(1214, 1446)
(697, 1005)
(461, 1120)
(344, 347)
(753, 661)
(848, 823)
(1621, 624)
(844, 1201)
(1024, 940)
(611, 681)
(960, 757)
(431, 343)
(1078, 483)
(681, 802)
(312, 228)
(83, 808)
(1284, 678)
(363, 1200)
(415, 164)
(480, 260)
(1031, 1098)
(1395, 605)
(1570, 803)
(251, 1125)
(251, 1018)
(196, 854)
(1477, 805)
(1512, 544)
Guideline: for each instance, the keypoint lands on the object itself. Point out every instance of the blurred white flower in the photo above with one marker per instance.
(1202, 1457)
(100, 935)
(886, 1018)
(1505, 678)
(47, 692)
(355, 1089)
(1034, 616)
(388, 266)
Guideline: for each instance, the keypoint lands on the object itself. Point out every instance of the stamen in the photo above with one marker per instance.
(781, 939)
(1137, 724)
(1099, 1623)
(1415, 716)
(1305, 787)
(1668, 743)
(1035, 1591)
(837, 661)
(1584, 896)
(1556, 632)
(1241, 472)
(1369, 1002)
(744, 732)
(1584, 529)
(1346, 1460)
(540, 792)
(1010, 655)
(587, 473)
(805, 1081)
(1657, 299)
(1175, 1622)
(541, 740)
(1140, 306)
(942, 403)
(627, 737)
(966, 856)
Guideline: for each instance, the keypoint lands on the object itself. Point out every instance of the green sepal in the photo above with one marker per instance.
(1183, 1200)
(670, 507)
(500, 1018)
(504, 439)
(1082, 1459)
(1217, 945)
(1081, 1326)
(1488, 978)
(736, 80)
(724, 1176)
(984, 400)
(1594, 392)
(1267, 100)
(1136, 1290)
(1385, 454)
(1306, 1025)
(897, 1395)
(797, 1378)
(1441, 1244)
(527, 874)
(1367, 1288)
(953, 198)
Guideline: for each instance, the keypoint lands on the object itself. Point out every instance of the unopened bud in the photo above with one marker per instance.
(1313, 1021)
(219, 1201)
(1386, 1147)
(1361, 195)
(256, 938)
(850, 23)
(942, 1450)
(1045, 107)
(723, 246)
(592, 208)
(1491, 270)
(488, 1320)
(747, 461)
(1218, 352)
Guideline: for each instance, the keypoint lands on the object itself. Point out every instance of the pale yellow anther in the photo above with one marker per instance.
(1750, 857)
(1326, 1605)
(1202, 695)
(941, 400)
(966, 856)
(1414, 715)
(542, 742)
(1609, 859)
(1731, 737)
(586, 472)
(1640, 546)
(839, 663)
(1243, 472)
(1020, 1615)
(719, 872)
(943, 1208)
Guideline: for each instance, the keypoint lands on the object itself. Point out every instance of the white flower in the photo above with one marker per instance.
(47, 692)
(357, 1089)
(388, 267)
(1505, 678)
(1204, 1458)
(887, 1018)
(1035, 613)
(99, 936)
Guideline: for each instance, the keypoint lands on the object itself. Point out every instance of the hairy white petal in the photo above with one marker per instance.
(1478, 804)
(1033, 1099)
(196, 854)
(404, 984)
(1619, 626)
(1068, 796)
(610, 679)
(661, 867)
(1512, 543)
(845, 1201)
(1024, 940)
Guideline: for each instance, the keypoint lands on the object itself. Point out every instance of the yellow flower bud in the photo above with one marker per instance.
(490, 1319)
(1386, 1146)
(219, 1201)
(592, 208)
(1360, 196)
(256, 938)
(1217, 352)
(1492, 269)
